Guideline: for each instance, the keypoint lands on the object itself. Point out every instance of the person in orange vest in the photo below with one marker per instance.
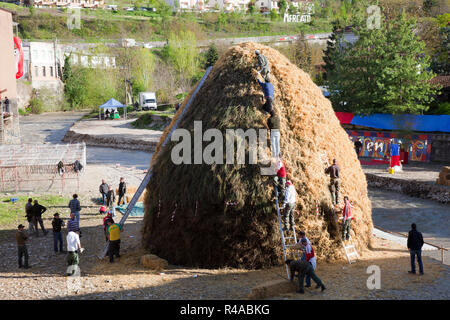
(346, 219)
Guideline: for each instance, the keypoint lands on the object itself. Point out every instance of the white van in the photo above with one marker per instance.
(147, 101)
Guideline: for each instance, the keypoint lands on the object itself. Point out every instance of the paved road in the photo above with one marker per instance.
(395, 212)
(51, 128)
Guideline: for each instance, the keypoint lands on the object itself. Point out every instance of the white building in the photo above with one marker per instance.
(237, 5)
(70, 3)
(44, 64)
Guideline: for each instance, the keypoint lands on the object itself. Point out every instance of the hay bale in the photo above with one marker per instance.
(272, 289)
(223, 215)
(154, 262)
(444, 177)
(131, 190)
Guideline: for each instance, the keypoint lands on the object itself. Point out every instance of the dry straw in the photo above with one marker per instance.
(224, 215)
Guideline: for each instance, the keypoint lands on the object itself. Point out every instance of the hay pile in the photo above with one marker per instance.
(222, 215)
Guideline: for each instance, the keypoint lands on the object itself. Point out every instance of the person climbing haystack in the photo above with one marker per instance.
(290, 200)
(263, 65)
(268, 91)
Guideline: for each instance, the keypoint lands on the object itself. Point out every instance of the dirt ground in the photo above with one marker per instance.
(113, 133)
(127, 279)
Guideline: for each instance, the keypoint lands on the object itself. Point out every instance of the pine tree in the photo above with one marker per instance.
(330, 53)
(385, 71)
(211, 56)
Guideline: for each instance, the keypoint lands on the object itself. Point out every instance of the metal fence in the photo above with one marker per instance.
(29, 167)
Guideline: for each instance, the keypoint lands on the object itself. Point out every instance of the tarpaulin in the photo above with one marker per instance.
(421, 123)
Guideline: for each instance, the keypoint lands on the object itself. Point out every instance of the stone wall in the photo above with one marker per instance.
(419, 189)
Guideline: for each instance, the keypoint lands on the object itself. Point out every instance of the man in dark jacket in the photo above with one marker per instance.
(29, 215)
(38, 210)
(122, 191)
(57, 223)
(110, 201)
(103, 189)
(268, 91)
(333, 171)
(303, 268)
(21, 239)
(415, 243)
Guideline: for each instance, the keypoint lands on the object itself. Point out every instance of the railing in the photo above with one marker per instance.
(405, 236)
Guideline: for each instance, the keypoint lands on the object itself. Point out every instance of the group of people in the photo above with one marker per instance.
(287, 194)
(34, 212)
(110, 114)
(109, 196)
(111, 229)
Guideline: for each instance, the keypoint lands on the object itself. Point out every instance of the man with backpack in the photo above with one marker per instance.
(103, 189)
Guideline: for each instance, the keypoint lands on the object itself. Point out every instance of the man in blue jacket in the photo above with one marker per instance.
(415, 243)
(268, 91)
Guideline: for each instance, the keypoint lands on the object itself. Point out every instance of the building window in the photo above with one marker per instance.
(43, 72)
(51, 71)
(36, 71)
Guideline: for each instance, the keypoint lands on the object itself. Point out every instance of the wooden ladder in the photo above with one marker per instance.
(350, 252)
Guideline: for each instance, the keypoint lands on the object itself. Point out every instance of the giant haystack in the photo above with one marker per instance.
(222, 215)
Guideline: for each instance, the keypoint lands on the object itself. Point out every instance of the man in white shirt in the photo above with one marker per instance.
(290, 200)
(73, 244)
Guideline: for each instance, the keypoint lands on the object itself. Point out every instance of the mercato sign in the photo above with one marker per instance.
(304, 18)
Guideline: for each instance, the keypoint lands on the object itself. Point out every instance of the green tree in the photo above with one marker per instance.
(251, 7)
(332, 53)
(384, 71)
(74, 84)
(441, 59)
(282, 5)
(183, 54)
(211, 56)
(273, 15)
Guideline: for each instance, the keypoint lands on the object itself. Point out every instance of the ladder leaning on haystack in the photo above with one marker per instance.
(292, 245)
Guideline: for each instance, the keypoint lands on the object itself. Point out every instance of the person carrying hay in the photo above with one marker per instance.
(290, 200)
(333, 171)
(268, 91)
(263, 65)
(346, 219)
(303, 269)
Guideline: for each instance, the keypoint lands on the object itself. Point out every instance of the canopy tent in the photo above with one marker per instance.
(112, 104)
